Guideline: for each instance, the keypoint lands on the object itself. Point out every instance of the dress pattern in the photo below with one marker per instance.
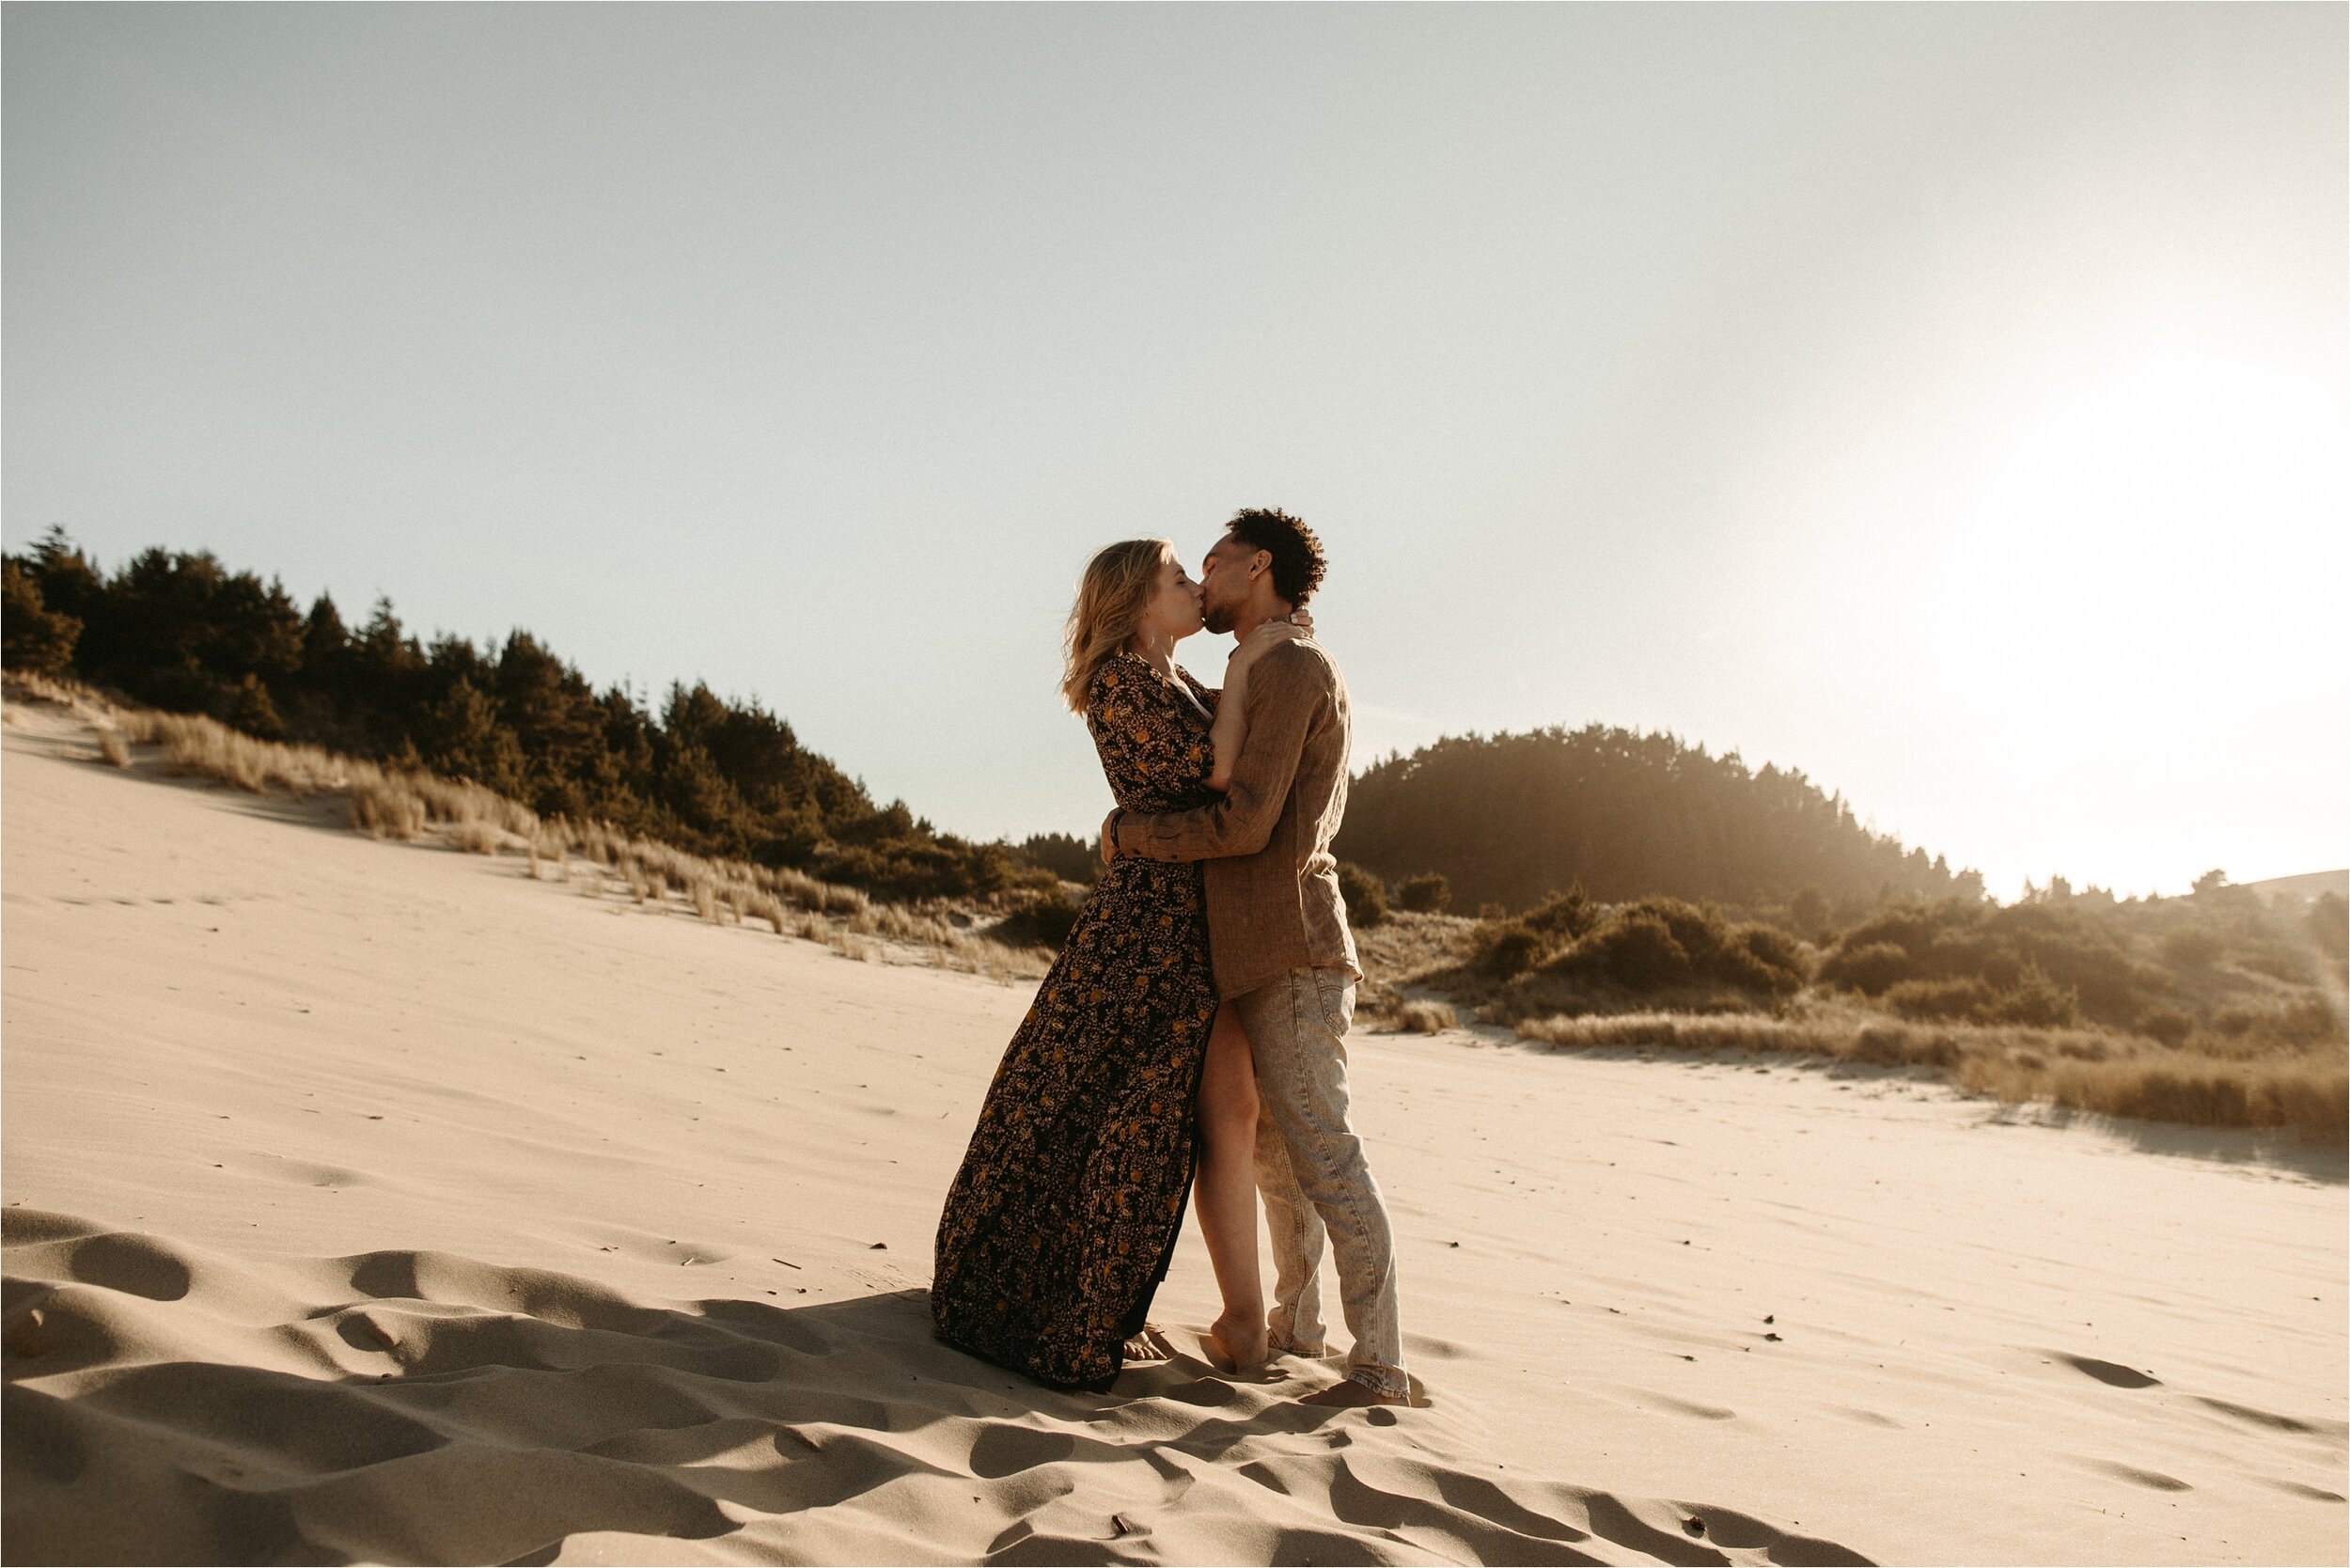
(1060, 1223)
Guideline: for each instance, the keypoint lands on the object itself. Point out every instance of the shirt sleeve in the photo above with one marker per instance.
(1287, 692)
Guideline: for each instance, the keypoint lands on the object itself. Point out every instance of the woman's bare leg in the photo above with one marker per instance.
(1227, 1192)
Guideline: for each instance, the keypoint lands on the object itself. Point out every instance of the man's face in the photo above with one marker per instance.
(1225, 580)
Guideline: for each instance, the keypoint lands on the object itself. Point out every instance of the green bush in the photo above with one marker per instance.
(1426, 893)
(1366, 897)
(1065, 855)
(33, 637)
(1508, 949)
(1784, 958)
(2038, 1001)
(1666, 944)
(1564, 917)
(1044, 921)
(1871, 968)
(2070, 944)
(1639, 952)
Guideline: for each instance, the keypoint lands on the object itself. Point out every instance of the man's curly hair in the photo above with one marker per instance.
(1297, 563)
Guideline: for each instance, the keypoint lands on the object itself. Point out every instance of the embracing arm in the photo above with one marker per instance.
(1231, 711)
(1287, 692)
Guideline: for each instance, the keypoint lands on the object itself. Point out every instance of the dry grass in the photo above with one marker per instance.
(2084, 1070)
(390, 804)
(1409, 945)
(1425, 1017)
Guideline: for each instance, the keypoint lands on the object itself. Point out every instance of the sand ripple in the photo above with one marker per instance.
(166, 1403)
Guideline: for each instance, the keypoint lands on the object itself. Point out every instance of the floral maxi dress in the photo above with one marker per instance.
(1060, 1223)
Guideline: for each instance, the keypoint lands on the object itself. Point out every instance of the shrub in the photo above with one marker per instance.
(1639, 952)
(1426, 1018)
(1781, 963)
(1065, 855)
(1871, 968)
(2306, 1020)
(1564, 917)
(1951, 1000)
(34, 639)
(1425, 894)
(2279, 965)
(1043, 921)
(2038, 1001)
(2192, 947)
(1507, 951)
(2167, 1023)
(1366, 897)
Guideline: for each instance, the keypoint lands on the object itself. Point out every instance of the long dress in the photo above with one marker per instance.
(1060, 1223)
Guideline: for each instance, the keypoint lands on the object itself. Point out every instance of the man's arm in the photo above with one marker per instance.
(1288, 689)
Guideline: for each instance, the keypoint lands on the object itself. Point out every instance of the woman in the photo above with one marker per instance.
(1059, 1226)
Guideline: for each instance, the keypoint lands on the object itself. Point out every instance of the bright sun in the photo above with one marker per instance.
(2159, 542)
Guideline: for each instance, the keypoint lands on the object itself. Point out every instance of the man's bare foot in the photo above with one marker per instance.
(1351, 1395)
(1238, 1346)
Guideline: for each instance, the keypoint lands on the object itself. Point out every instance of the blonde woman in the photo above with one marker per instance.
(1123, 1075)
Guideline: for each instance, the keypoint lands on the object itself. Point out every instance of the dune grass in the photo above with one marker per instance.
(604, 862)
(2277, 1062)
(2086, 1070)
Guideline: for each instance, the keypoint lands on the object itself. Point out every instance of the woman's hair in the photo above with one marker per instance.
(1110, 601)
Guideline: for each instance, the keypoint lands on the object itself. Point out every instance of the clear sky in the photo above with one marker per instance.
(1950, 403)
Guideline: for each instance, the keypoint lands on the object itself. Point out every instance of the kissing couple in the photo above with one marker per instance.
(1196, 1019)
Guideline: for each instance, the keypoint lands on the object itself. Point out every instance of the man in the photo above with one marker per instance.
(1284, 959)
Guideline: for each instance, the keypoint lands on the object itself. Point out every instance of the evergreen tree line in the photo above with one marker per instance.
(1510, 819)
(182, 633)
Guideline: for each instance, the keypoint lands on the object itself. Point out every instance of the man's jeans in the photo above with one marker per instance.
(1310, 1164)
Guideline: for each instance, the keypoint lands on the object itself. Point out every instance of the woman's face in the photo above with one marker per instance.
(1174, 606)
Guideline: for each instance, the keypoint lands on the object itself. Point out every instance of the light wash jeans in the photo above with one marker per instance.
(1311, 1172)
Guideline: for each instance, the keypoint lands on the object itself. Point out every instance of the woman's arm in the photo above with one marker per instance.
(1232, 709)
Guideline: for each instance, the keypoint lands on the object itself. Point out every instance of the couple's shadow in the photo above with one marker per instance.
(443, 1409)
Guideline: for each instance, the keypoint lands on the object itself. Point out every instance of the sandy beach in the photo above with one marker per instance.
(374, 1201)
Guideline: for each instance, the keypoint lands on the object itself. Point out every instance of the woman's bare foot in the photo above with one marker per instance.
(1149, 1346)
(1239, 1346)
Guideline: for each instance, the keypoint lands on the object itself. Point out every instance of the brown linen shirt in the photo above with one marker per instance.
(1272, 884)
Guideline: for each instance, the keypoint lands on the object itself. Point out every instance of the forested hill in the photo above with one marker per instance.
(1510, 818)
(1507, 819)
(183, 633)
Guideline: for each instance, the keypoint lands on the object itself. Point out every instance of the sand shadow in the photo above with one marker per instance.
(2248, 1149)
(442, 1408)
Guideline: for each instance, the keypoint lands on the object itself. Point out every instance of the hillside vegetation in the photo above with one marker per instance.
(1510, 819)
(182, 633)
(1630, 889)
(2221, 1009)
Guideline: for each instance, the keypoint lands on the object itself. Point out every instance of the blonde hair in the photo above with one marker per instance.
(1114, 591)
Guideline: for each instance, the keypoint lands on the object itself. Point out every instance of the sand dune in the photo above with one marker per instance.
(369, 1202)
